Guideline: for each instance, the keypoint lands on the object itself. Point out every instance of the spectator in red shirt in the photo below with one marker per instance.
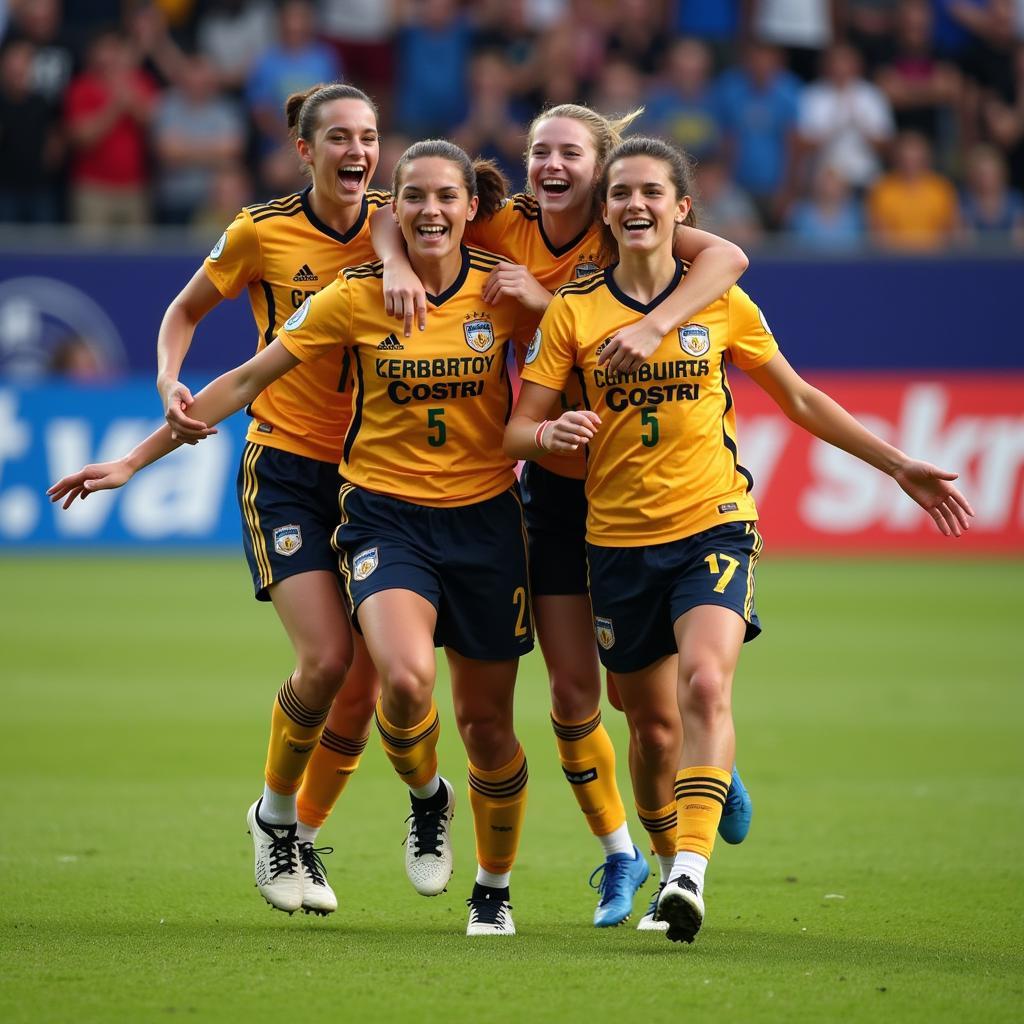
(107, 110)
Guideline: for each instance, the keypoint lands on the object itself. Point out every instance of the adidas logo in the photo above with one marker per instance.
(390, 344)
(305, 274)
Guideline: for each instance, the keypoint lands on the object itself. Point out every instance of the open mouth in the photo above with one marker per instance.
(351, 175)
(638, 225)
(555, 186)
(430, 231)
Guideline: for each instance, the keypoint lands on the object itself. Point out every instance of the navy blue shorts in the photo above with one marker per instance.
(469, 562)
(638, 593)
(289, 506)
(556, 523)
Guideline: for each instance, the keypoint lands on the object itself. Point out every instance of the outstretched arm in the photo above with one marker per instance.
(529, 435)
(820, 415)
(715, 266)
(404, 294)
(227, 394)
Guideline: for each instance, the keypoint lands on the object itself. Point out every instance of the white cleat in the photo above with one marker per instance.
(681, 906)
(317, 895)
(428, 846)
(277, 862)
(490, 912)
(650, 922)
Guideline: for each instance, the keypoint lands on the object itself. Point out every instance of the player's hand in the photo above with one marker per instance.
(932, 489)
(99, 476)
(177, 398)
(629, 347)
(512, 281)
(570, 430)
(405, 297)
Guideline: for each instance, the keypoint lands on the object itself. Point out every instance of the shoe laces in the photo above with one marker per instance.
(685, 882)
(312, 864)
(427, 831)
(488, 910)
(613, 879)
(652, 907)
(282, 852)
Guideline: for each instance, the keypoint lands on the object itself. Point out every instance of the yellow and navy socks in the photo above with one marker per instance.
(700, 800)
(331, 766)
(412, 752)
(498, 799)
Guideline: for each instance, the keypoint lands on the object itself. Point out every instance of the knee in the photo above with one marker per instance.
(408, 685)
(575, 696)
(485, 734)
(704, 692)
(657, 740)
(319, 675)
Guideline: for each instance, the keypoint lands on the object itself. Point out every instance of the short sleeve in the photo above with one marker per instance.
(490, 232)
(321, 323)
(751, 342)
(552, 352)
(236, 258)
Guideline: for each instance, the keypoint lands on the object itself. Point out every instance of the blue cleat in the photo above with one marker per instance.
(739, 809)
(621, 877)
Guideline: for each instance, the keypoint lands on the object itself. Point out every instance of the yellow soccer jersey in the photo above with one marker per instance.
(283, 253)
(516, 232)
(429, 412)
(664, 462)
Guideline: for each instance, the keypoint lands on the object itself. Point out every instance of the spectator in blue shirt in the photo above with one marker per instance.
(989, 209)
(830, 219)
(759, 105)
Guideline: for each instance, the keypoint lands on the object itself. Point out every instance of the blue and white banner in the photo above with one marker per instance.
(46, 432)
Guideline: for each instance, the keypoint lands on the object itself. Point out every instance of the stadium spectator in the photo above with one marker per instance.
(296, 60)
(637, 36)
(434, 47)
(830, 218)
(869, 26)
(107, 111)
(503, 27)
(724, 208)
(759, 103)
(845, 121)
(719, 23)
(989, 209)
(493, 128)
(1003, 121)
(30, 145)
(912, 207)
(924, 91)
(801, 28)
(231, 188)
(195, 131)
(988, 56)
(232, 33)
(392, 146)
(361, 31)
(683, 106)
(41, 22)
(618, 90)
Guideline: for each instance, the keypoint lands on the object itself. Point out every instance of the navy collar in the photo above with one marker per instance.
(640, 307)
(307, 209)
(456, 285)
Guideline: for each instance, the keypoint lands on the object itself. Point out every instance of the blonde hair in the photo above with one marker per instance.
(606, 132)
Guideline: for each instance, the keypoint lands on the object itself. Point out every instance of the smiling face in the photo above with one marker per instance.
(562, 165)
(432, 205)
(641, 206)
(344, 150)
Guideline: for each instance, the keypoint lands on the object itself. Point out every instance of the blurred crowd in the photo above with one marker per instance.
(894, 122)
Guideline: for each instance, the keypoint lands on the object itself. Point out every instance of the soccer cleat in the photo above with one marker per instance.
(650, 922)
(681, 907)
(739, 809)
(317, 895)
(490, 912)
(428, 846)
(277, 863)
(621, 876)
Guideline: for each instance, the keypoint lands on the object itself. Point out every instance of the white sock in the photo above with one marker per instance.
(665, 865)
(618, 841)
(492, 881)
(693, 865)
(426, 791)
(278, 808)
(306, 833)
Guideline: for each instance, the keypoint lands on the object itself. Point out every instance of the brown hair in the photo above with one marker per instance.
(302, 109)
(483, 178)
(680, 173)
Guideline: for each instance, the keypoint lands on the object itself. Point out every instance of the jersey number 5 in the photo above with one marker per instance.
(435, 420)
(649, 421)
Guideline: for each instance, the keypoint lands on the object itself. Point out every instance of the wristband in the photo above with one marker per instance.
(538, 437)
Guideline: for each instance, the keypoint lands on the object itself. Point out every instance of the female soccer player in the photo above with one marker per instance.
(283, 252)
(551, 237)
(431, 536)
(671, 535)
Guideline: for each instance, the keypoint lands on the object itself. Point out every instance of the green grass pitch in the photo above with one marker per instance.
(880, 733)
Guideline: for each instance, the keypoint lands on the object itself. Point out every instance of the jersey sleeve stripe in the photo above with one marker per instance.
(276, 213)
(357, 410)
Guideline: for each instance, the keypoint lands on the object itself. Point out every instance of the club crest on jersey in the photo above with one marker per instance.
(605, 631)
(586, 269)
(294, 322)
(287, 539)
(534, 350)
(364, 563)
(218, 247)
(479, 334)
(694, 339)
